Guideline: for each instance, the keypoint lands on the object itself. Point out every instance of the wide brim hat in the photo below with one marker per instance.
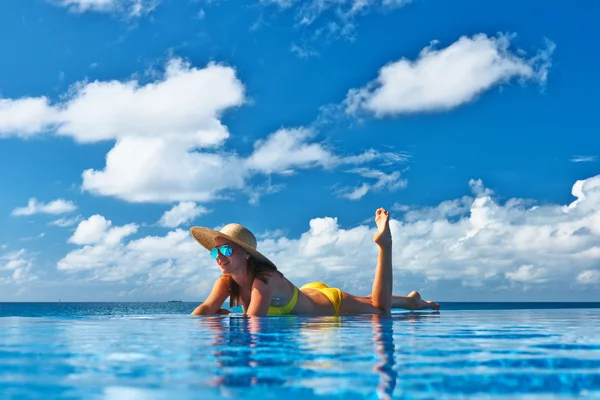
(235, 233)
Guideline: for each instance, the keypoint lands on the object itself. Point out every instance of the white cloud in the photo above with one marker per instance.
(528, 273)
(169, 138)
(391, 181)
(400, 207)
(334, 18)
(154, 265)
(38, 236)
(590, 276)
(396, 3)
(134, 8)
(445, 79)
(579, 159)
(384, 159)
(16, 267)
(255, 192)
(159, 170)
(355, 194)
(286, 149)
(344, 10)
(25, 117)
(494, 247)
(446, 209)
(303, 51)
(158, 128)
(97, 229)
(274, 234)
(66, 222)
(280, 3)
(183, 106)
(181, 214)
(33, 206)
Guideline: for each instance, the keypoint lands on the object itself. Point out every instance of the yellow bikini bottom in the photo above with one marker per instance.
(333, 294)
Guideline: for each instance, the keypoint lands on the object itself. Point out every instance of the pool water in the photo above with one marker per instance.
(452, 354)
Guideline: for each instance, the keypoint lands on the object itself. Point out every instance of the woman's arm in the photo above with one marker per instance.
(212, 305)
(260, 297)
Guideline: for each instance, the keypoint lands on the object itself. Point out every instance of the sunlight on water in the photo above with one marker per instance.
(452, 354)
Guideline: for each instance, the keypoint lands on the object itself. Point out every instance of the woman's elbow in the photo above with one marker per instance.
(202, 309)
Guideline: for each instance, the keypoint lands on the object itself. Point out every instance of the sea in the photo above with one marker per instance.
(159, 351)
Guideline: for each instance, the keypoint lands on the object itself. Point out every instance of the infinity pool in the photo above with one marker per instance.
(453, 354)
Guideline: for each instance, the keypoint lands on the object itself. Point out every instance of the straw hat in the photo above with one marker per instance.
(233, 232)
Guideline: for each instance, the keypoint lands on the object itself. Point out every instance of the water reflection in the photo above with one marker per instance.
(250, 351)
(383, 344)
(416, 355)
(310, 353)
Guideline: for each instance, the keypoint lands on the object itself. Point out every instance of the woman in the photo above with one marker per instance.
(252, 280)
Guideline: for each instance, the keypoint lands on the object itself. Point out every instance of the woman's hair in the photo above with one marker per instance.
(256, 270)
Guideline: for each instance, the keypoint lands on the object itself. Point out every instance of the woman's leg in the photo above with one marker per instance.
(382, 284)
(412, 302)
(364, 305)
(381, 300)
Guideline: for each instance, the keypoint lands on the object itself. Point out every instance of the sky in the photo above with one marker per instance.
(123, 123)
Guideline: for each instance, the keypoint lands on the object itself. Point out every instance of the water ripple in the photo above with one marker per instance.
(455, 354)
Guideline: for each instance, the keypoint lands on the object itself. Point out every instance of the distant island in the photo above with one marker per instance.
(174, 301)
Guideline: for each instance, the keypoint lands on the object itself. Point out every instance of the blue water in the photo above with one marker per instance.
(156, 350)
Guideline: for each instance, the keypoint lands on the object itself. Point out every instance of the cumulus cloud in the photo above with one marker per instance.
(16, 267)
(286, 149)
(507, 247)
(443, 79)
(446, 209)
(98, 230)
(181, 214)
(528, 273)
(169, 137)
(590, 276)
(156, 170)
(183, 106)
(190, 101)
(134, 8)
(166, 264)
(25, 117)
(33, 206)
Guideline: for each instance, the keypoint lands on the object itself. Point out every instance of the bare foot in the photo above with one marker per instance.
(417, 303)
(383, 237)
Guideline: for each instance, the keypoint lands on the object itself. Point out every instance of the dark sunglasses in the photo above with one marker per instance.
(225, 250)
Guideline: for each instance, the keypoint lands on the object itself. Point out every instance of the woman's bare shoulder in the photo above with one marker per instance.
(224, 282)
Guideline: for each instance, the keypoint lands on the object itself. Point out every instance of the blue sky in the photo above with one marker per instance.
(125, 122)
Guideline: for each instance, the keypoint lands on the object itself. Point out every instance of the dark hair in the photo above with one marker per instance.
(256, 270)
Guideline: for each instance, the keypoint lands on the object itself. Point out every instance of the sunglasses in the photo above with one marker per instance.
(225, 250)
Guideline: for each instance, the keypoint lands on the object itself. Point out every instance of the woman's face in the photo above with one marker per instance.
(234, 262)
